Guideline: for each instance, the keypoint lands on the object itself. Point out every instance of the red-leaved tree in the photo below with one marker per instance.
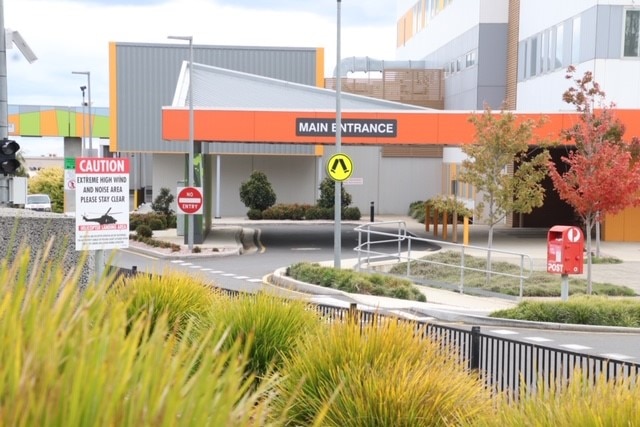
(600, 176)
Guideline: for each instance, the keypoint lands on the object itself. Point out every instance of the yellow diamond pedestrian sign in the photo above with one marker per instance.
(339, 167)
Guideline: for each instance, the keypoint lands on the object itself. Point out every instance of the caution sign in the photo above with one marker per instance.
(339, 167)
(102, 203)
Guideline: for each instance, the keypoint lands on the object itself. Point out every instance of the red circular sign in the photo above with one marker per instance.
(190, 200)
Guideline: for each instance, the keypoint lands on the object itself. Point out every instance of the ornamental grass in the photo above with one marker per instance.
(71, 358)
(271, 326)
(378, 376)
(578, 402)
(184, 299)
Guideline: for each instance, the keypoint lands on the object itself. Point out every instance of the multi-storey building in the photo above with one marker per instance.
(514, 54)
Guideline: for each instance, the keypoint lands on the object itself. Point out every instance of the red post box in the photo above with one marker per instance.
(565, 247)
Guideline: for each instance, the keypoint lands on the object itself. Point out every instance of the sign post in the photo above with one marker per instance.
(102, 203)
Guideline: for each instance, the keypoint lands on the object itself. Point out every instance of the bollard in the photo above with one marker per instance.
(371, 210)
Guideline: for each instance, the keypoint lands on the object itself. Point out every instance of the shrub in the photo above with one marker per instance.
(286, 211)
(383, 375)
(584, 310)
(157, 224)
(417, 211)
(172, 221)
(328, 194)
(162, 202)
(254, 214)
(317, 212)
(269, 325)
(351, 213)
(257, 192)
(155, 220)
(144, 230)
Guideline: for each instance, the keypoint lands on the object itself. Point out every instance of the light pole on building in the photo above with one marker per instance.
(190, 177)
(337, 234)
(88, 74)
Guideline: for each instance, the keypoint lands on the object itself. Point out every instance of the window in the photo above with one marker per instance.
(543, 52)
(550, 44)
(631, 32)
(418, 22)
(575, 42)
(470, 59)
(559, 46)
(534, 57)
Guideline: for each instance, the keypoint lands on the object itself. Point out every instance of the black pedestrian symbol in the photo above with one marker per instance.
(345, 169)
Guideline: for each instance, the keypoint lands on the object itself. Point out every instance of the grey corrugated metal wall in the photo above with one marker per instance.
(146, 79)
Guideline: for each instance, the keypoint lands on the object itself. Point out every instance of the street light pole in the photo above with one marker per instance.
(88, 74)
(99, 255)
(190, 175)
(337, 234)
(84, 119)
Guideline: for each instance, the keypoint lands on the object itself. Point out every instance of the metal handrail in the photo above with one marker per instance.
(396, 231)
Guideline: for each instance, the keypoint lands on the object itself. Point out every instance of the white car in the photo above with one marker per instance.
(38, 202)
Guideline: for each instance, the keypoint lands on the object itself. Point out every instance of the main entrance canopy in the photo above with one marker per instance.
(232, 106)
(358, 127)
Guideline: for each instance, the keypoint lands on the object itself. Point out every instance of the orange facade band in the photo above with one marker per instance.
(358, 127)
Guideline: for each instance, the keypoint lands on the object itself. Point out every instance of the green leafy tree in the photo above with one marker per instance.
(257, 192)
(49, 181)
(328, 194)
(601, 176)
(502, 143)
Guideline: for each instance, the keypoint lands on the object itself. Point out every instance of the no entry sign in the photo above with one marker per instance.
(189, 200)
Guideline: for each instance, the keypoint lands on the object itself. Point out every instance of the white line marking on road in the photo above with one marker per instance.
(177, 261)
(139, 254)
(187, 263)
(575, 346)
(504, 332)
(241, 277)
(195, 266)
(216, 271)
(617, 356)
(254, 280)
(206, 269)
(228, 274)
(537, 339)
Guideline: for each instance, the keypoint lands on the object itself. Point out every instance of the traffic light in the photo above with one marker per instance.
(8, 162)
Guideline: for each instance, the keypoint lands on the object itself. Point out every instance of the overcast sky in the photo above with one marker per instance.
(73, 35)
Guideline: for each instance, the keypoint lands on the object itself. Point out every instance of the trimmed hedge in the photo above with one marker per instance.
(355, 282)
(300, 212)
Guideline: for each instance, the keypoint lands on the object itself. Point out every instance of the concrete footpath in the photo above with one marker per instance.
(231, 236)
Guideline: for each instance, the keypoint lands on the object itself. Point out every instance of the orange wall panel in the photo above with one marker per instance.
(49, 122)
(415, 127)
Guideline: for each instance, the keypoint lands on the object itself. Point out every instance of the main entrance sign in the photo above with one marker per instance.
(365, 128)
